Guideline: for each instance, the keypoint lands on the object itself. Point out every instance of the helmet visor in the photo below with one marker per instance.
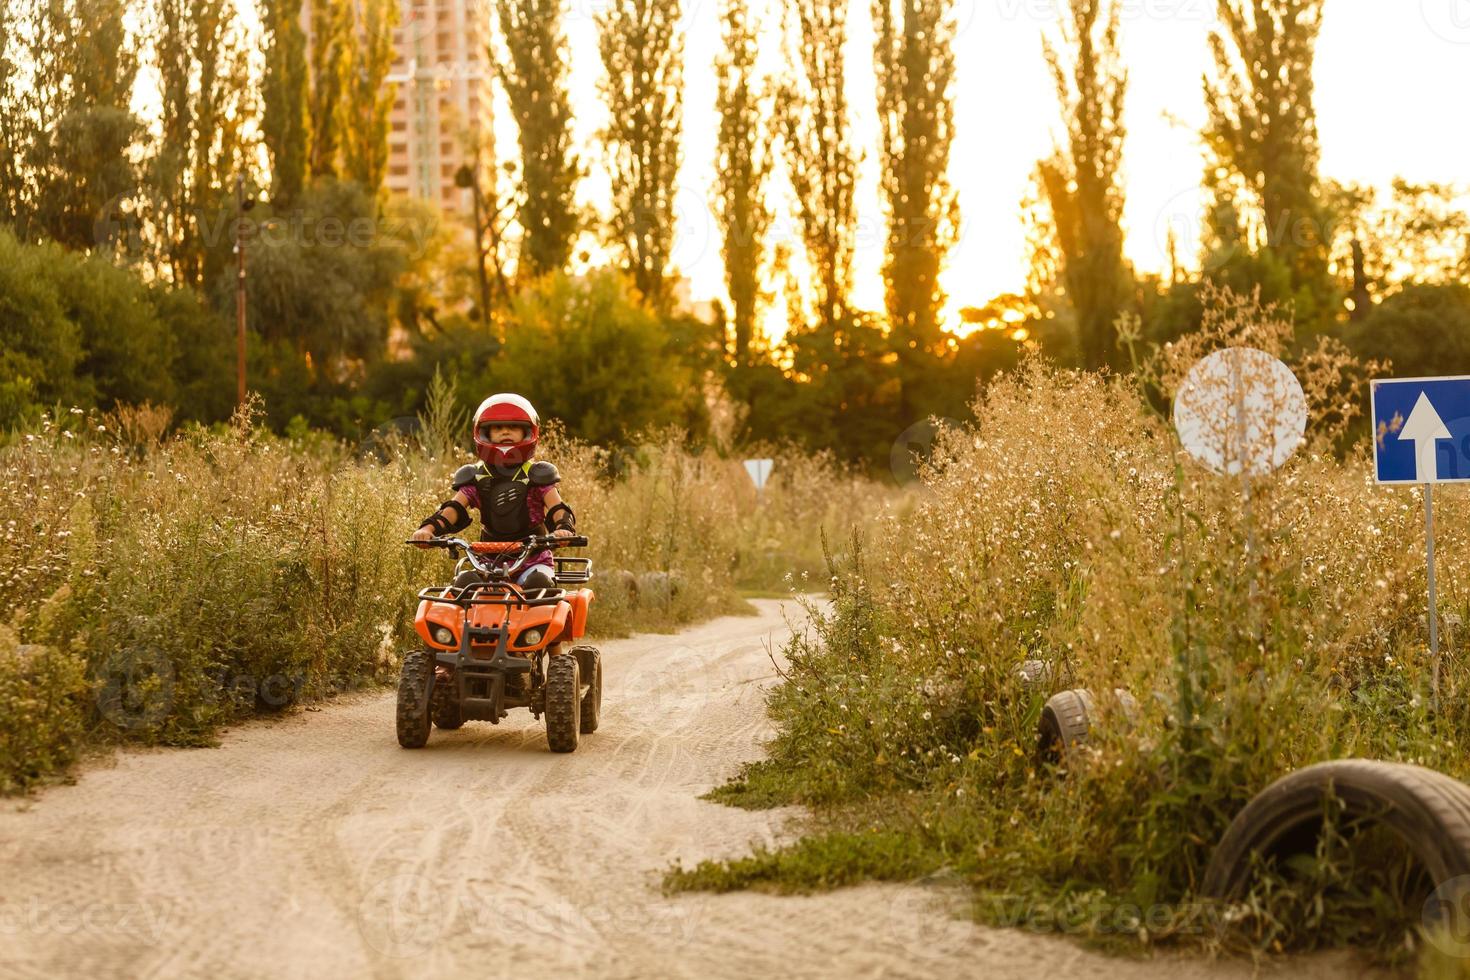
(491, 427)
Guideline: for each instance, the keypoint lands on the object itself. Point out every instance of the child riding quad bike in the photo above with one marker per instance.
(494, 645)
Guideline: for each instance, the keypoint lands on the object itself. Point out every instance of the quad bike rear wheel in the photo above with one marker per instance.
(589, 664)
(413, 700)
(563, 703)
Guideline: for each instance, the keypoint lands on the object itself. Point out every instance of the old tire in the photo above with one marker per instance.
(563, 703)
(1427, 810)
(589, 665)
(1064, 724)
(623, 581)
(414, 681)
(1066, 721)
(1034, 673)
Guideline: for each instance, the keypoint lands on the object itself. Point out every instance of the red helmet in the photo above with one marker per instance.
(506, 409)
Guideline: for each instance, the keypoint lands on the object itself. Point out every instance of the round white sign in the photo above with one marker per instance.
(1240, 409)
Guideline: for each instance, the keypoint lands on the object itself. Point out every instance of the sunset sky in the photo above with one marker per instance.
(1392, 76)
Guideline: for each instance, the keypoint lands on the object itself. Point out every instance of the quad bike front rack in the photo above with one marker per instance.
(469, 670)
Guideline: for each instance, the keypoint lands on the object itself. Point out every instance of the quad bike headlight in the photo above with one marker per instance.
(529, 638)
(444, 635)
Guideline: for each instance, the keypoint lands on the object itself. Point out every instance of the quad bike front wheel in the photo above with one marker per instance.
(563, 703)
(589, 665)
(414, 682)
(448, 713)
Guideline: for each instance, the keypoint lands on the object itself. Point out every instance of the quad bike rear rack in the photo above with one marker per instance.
(573, 571)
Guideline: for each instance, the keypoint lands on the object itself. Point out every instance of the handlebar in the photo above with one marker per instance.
(495, 557)
(504, 547)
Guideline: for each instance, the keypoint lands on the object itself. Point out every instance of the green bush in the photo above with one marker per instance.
(78, 330)
(39, 346)
(43, 692)
(1423, 329)
(585, 352)
(1256, 634)
(128, 351)
(202, 578)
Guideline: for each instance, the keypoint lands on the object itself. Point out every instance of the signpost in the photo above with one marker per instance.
(1241, 412)
(1421, 435)
(760, 472)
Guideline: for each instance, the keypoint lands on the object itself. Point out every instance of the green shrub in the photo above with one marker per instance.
(42, 694)
(201, 578)
(1423, 328)
(1258, 633)
(39, 346)
(586, 352)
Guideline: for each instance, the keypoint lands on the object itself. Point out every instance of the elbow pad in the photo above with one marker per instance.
(450, 517)
(560, 517)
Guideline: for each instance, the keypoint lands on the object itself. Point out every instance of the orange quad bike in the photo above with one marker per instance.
(493, 646)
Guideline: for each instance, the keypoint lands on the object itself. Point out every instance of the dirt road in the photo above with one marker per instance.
(314, 847)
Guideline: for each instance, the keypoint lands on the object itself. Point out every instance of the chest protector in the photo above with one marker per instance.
(504, 514)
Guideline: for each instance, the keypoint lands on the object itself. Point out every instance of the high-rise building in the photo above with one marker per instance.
(442, 100)
(442, 97)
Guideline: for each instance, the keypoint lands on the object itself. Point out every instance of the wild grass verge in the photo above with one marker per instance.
(158, 586)
(1254, 630)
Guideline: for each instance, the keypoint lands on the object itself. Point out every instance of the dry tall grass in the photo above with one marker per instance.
(157, 587)
(1257, 632)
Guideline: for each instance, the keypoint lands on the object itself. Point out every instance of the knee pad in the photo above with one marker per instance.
(537, 577)
(468, 577)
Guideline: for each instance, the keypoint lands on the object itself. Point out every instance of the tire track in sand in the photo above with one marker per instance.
(313, 846)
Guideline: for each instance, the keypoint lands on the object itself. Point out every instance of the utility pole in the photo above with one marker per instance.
(241, 206)
(465, 177)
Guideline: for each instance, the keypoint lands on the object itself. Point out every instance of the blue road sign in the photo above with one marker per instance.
(1421, 430)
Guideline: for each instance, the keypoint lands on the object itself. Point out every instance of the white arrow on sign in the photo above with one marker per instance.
(1425, 428)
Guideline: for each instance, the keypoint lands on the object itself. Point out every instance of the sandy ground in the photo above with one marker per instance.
(314, 847)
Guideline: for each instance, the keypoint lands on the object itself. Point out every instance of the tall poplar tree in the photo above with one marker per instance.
(532, 69)
(205, 106)
(742, 167)
(369, 96)
(45, 27)
(66, 81)
(1082, 180)
(14, 125)
(913, 58)
(283, 89)
(1261, 134)
(331, 38)
(90, 149)
(816, 141)
(642, 48)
